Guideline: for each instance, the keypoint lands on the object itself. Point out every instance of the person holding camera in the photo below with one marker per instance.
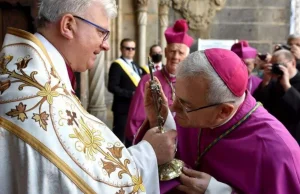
(280, 90)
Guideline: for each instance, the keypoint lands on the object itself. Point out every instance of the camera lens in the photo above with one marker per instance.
(276, 70)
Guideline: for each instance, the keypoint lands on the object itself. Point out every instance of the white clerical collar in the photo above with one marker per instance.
(59, 63)
(129, 61)
(171, 75)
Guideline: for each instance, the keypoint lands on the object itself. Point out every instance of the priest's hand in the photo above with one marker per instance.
(193, 182)
(163, 144)
(150, 104)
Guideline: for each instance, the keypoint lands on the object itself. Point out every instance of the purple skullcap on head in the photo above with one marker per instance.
(178, 34)
(230, 68)
(243, 50)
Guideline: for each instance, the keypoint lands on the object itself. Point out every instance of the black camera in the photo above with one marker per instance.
(276, 70)
(262, 56)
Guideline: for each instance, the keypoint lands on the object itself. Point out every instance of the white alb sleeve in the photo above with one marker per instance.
(216, 187)
(145, 159)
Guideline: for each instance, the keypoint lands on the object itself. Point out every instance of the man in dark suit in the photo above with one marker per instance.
(124, 76)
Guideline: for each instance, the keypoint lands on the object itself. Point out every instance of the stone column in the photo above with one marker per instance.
(119, 29)
(97, 106)
(295, 21)
(163, 22)
(84, 89)
(142, 24)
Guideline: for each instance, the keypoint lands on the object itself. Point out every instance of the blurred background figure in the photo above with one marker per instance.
(124, 76)
(156, 56)
(248, 55)
(293, 41)
(280, 90)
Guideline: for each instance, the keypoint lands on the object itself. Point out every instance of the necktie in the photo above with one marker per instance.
(134, 68)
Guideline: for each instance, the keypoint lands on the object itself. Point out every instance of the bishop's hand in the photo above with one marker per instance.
(193, 182)
(150, 104)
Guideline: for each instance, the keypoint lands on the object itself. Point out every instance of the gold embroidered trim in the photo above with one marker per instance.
(31, 37)
(47, 153)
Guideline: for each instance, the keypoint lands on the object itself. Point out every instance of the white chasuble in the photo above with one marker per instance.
(48, 143)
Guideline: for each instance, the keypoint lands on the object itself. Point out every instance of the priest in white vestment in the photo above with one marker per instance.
(48, 143)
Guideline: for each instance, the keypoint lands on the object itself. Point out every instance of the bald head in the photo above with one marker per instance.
(286, 58)
(286, 54)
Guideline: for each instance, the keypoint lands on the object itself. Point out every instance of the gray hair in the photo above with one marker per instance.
(292, 36)
(196, 64)
(286, 53)
(52, 10)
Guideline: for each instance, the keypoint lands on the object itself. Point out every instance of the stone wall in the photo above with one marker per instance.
(262, 22)
(129, 22)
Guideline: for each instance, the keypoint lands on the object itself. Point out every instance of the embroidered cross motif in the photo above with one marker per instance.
(72, 118)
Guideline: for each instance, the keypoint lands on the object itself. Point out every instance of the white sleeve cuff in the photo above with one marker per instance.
(146, 161)
(216, 187)
(170, 122)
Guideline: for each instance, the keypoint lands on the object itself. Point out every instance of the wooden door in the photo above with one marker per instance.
(17, 16)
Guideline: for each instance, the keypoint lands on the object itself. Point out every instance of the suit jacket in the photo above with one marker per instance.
(122, 87)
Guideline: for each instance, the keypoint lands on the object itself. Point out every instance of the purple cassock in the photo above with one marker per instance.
(253, 83)
(258, 157)
(187, 142)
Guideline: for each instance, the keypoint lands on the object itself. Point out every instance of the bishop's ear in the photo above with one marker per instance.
(225, 111)
(68, 26)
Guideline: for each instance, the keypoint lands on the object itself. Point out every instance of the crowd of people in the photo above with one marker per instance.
(236, 113)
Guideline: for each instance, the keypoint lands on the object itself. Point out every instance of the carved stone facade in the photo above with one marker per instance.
(142, 7)
(263, 23)
(198, 13)
(164, 6)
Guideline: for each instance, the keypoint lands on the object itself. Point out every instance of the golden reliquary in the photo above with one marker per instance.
(171, 169)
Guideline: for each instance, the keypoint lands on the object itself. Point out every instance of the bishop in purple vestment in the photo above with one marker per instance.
(240, 144)
(248, 55)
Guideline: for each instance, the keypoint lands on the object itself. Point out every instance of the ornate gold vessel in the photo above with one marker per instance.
(171, 169)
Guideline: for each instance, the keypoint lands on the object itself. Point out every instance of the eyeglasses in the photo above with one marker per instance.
(200, 108)
(129, 48)
(203, 107)
(104, 31)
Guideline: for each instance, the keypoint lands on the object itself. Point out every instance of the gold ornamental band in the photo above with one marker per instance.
(47, 153)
